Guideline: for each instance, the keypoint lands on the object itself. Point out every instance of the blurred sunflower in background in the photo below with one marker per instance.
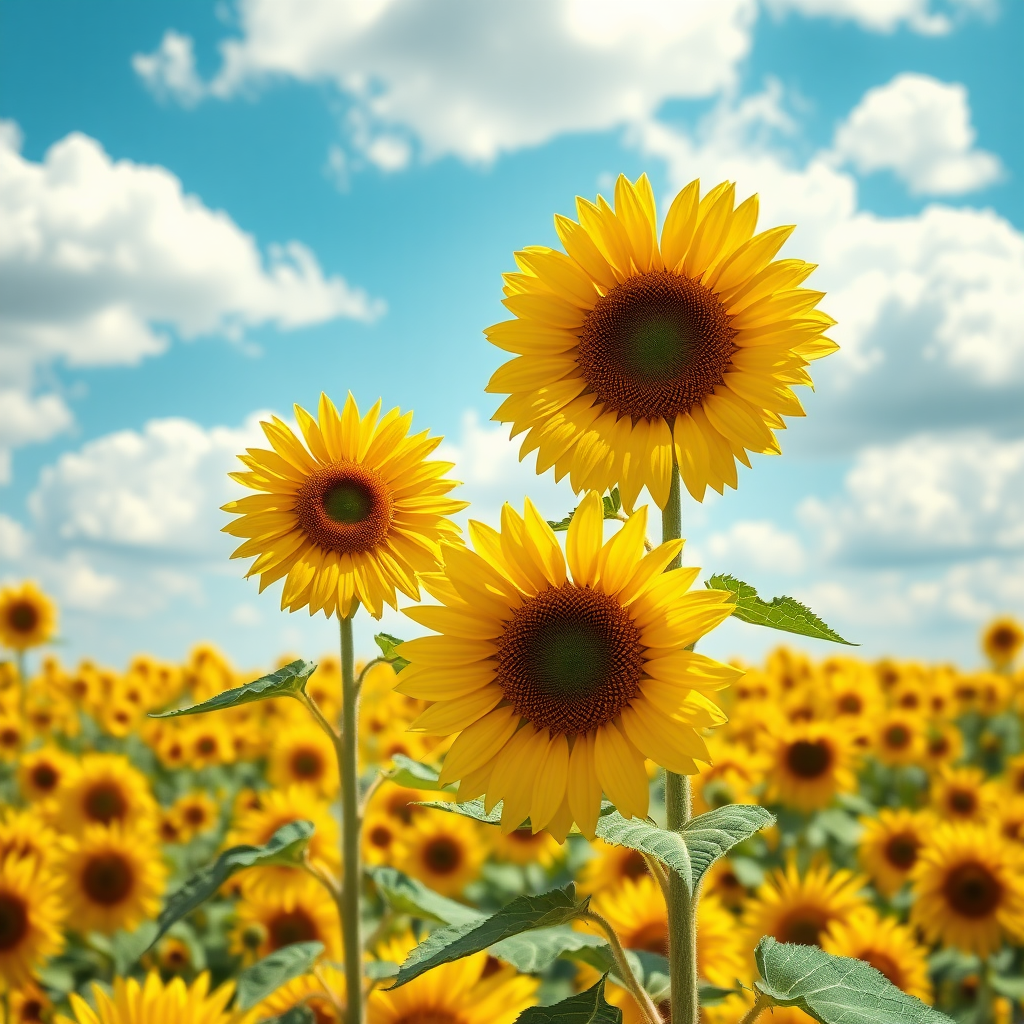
(104, 789)
(351, 512)
(890, 845)
(560, 688)
(810, 763)
(1002, 642)
(28, 617)
(31, 918)
(631, 353)
(154, 1002)
(446, 851)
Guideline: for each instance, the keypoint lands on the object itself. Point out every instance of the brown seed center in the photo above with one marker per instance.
(570, 659)
(972, 890)
(655, 345)
(901, 850)
(883, 963)
(108, 878)
(23, 616)
(13, 921)
(442, 855)
(291, 926)
(308, 764)
(809, 759)
(44, 777)
(803, 926)
(345, 507)
(897, 737)
(104, 802)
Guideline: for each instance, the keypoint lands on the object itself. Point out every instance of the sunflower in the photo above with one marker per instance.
(723, 881)
(12, 736)
(305, 755)
(1013, 774)
(969, 889)
(562, 689)
(354, 518)
(609, 866)
(523, 846)
(1009, 818)
(28, 617)
(207, 741)
(111, 879)
(278, 807)
(810, 763)
(890, 845)
(31, 914)
(173, 955)
(963, 794)
(943, 745)
(795, 908)
(41, 771)
(443, 850)
(30, 1004)
(890, 947)
(272, 917)
(153, 1002)
(103, 789)
(899, 738)
(629, 353)
(25, 835)
(732, 774)
(379, 836)
(323, 993)
(400, 803)
(197, 812)
(463, 992)
(1002, 640)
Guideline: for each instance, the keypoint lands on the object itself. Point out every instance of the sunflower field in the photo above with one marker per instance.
(542, 804)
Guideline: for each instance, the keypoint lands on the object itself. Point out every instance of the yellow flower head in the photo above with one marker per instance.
(610, 866)
(561, 686)
(40, 772)
(1002, 641)
(104, 789)
(810, 763)
(630, 352)
(890, 845)
(354, 514)
(963, 794)
(445, 851)
(304, 755)
(196, 812)
(31, 913)
(28, 617)
(25, 835)
(323, 993)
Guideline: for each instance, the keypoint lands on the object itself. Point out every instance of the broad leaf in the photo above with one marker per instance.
(412, 774)
(690, 852)
(612, 508)
(650, 969)
(468, 809)
(269, 974)
(389, 645)
(835, 989)
(588, 1007)
(296, 1015)
(407, 895)
(523, 914)
(285, 847)
(784, 613)
(285, 682)
(378, 970)
(534, 951)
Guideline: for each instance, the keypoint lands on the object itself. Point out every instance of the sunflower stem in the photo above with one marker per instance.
(639, 993)
(755, 1011)
(682, 904)
(351, 822)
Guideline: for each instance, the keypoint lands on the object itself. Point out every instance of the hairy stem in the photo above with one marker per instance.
(755, 1011)
(682, 905)
(639, 993)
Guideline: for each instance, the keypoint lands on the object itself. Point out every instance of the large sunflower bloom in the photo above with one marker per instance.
(560, 688)
(627, 349)
(352, 515)
(31, 914)
(28, 617)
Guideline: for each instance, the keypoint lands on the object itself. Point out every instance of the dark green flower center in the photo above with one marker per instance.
(345, 507)
(349, 502)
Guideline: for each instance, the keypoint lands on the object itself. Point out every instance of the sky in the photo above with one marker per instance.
(209, 212)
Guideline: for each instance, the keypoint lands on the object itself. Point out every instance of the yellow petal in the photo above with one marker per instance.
(453, 622)
(476, 745)
(549, 788)
(621, 555)
(583, 787)
(583, 540)
(542, 544)
(668, 751)
(621, 772)
(448, 716)
(679, 226)
(444, 683)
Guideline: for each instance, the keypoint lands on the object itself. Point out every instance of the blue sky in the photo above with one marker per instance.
(208, 211)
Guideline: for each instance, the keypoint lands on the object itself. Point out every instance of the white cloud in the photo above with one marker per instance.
(98, 256)
(919, 128)
(929, 497)
(170, 72)
(884, 15)
(755, 544)
(473, 79)
(157, 490)
(14, 539)
(24, 419)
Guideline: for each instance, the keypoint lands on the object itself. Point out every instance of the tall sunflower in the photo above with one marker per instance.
(28, 617)
(890, 845)
(31, 914)
(560, 688)
(969, 889)
(351, 515)
(628, 351)
(103, 789)
(153, 1002)
(1002, 641)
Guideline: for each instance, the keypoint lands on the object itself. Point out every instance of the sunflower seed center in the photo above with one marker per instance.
(809, 759)
(291, 926)
(23, 616)
(104, 802)
(107, 879)
(972, 890)
(13, 921)
(345, 507)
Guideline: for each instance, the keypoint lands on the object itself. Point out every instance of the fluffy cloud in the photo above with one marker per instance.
(884, 15)
(754, 545)
(454, 76)
(96, 256)
(919, 128)
(24, 419)
(935, 498)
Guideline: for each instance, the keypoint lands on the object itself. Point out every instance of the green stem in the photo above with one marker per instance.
(351, 823)
(755, 1011)
(682, 905)
(647, 1008)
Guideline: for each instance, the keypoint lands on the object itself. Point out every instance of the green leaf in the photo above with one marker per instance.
(835, 989)
(785, 613)
(650, 969)
(468, 809)
(612, 508)
(285, 847)
(269, 974)
(389, 645)
(523, 914)
(412, 774)
(285, 682)
(296, 1015)
(691, 851)
(378, 970)
(535, 951)
(588, 1007)
(410, 896)
(713, 995)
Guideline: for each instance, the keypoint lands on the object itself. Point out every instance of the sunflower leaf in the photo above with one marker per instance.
(285, 682)
(692, 850)
(269, 974)
(285, 847)
(410, 896)
(784, 613)
(389, 645)
(300, 1014)
(589, 1007)
(612, 509)
(834, 989)
(378, 970)
(535, 951)
(468, 809)
(411, 774)
(524, 913)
